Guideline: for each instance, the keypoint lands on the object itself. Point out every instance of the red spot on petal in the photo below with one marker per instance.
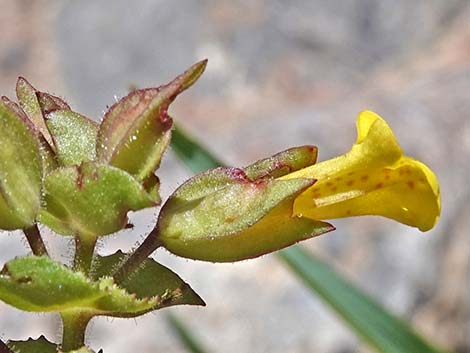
(411, 184)
(364, 177)
(350, 183)
(379, 185)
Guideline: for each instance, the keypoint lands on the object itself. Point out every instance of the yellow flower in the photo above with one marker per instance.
(373, 178)
(232, 214)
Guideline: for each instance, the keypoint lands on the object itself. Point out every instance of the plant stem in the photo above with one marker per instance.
(35, 240)
(73, 331)
(84, 250)
(150, 244)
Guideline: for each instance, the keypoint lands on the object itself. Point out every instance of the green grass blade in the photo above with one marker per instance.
(196, 157)
(369, 320)
(380, 329)
(189, 341)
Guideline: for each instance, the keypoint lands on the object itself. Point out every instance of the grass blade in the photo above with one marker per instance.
(189, 341)
(380, 329)
(196, 157)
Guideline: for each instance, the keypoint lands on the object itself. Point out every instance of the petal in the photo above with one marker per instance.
(376, 146)
(373, 178)
(407, 192)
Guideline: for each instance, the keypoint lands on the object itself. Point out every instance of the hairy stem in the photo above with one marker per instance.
(35, 240)
(150, 244)
(73, 332)
(84, 250)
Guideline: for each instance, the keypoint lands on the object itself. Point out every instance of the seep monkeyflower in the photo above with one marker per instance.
(373, 178)
(231, 214)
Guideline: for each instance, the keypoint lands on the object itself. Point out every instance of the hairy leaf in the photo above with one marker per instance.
(39, 284)
(40, 345)
(20, 170)
(150, 280)
(74, 136)
(136, 130)
(91, 199)
(29, 101)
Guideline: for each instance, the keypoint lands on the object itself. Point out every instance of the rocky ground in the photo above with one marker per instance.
(280, 74)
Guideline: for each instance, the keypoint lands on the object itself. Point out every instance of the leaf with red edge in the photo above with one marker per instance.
(50, 103)
(282, 163)
(223, 216)
(136, 131)
(20, 170)
(47, 153)
(91, 199)
(29, 102)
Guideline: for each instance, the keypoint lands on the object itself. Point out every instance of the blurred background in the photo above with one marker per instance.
(280, 74)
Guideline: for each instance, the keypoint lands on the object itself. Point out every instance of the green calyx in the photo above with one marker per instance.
(20, 170)
(222, 215)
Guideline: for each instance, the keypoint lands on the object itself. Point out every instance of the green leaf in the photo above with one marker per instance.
(282, 163)
(47, 153)
(150, 280)
(20, 170)
(187, 339)
(29, 102)
(136, 130)
(74, 136)
(221, 215)
(380, 329)
(39, 284)
(40, 345)
(191, 152)
(90, 200)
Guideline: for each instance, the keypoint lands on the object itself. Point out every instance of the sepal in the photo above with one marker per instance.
(136, 131)
(74, 136)
(224, 216)
(282, 163)
(91, 199)
(20, 170)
